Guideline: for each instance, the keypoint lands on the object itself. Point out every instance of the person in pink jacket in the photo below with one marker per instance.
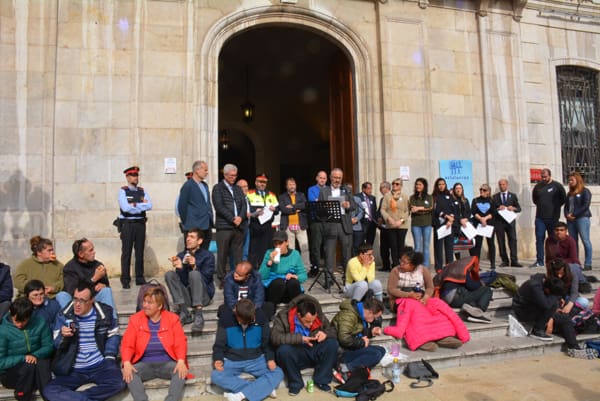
(422, 321)
(154, 346)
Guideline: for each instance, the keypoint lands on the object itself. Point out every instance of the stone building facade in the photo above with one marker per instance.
(89, 87)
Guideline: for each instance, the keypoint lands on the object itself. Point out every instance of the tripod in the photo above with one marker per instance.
(328, 280)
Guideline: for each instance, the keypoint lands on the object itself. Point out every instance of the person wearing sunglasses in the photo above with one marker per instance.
(483, 212)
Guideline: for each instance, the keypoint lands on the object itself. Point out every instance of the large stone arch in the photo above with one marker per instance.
(206, 116)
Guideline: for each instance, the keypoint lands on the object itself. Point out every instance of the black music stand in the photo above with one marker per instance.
(327, 212)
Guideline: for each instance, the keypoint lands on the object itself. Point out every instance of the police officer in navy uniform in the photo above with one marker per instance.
(133, 202)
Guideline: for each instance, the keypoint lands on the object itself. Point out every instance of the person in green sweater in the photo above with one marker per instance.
(43, 266)
(282, 271)
(25, 350)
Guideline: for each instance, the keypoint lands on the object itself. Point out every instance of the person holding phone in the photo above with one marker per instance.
(304, 338)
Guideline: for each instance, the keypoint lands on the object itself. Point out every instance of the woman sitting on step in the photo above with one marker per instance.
(422, 321)
(154, 346)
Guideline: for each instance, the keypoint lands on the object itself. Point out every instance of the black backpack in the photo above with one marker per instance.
(373, 389)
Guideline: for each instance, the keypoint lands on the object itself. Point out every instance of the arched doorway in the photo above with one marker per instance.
(301, 84)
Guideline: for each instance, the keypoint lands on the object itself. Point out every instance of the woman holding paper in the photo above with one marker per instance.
(443, 218)
(483, 211)
(462, 212)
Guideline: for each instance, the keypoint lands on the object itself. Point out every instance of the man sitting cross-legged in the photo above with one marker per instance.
(242, 346)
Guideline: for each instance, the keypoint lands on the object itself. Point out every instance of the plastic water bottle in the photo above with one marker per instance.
(418, 287)
(186, 257)
(396, 371)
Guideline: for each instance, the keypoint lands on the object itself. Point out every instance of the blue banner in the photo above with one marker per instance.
(454, 171)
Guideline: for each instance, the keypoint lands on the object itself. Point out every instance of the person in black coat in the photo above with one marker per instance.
(231, 221)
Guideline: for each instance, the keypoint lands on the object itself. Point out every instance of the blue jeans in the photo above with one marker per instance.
(367, 357)
(293, 358)
(106, 376)
(266, 380)
(580, 228)
(422, 238)
(542, 226)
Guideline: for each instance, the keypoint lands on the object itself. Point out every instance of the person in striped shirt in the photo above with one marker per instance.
(86, 338)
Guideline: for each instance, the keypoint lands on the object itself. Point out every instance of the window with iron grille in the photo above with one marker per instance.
(579, 135)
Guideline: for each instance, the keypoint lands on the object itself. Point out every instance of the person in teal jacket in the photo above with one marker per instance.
(25, 350)
(282, 271)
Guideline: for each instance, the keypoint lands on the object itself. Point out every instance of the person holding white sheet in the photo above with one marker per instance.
(483, 211)
(443, 215)
(504, 200)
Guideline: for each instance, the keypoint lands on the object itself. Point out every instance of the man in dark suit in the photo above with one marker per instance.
(369, 205)
(338, 230)
(194, 204)
(505, 200)
(230, 220)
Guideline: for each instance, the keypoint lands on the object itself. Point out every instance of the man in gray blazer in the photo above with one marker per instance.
(194, 204)
(338, 230)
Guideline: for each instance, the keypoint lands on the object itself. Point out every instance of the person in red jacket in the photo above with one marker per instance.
(154, 346)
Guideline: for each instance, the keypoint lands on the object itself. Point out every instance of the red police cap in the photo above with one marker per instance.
(131, 170)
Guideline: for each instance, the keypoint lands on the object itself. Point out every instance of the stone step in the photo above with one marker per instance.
(478, 351)
(488, 341)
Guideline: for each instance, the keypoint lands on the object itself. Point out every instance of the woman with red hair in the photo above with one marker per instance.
(577, 212)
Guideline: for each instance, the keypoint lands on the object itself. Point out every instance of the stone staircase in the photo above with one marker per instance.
(489, 342)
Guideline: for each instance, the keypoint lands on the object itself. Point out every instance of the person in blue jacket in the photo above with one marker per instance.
(86, 338)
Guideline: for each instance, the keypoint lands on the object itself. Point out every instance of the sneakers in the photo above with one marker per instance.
(323, 387)
(480, 319)
(234, 396)
(449, 342)
(541, 335)
(184, 316)
(536, 264)
(198, 325)
(474, 314)
(273, 394)
(587, 267)
(586, 353)
(293, 393)
(429, 346)
(471, 310)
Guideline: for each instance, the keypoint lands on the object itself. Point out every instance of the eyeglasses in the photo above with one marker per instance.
(483, 189)
(395, 183)
(80, 301)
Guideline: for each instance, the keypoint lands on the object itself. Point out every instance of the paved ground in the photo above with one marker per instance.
(547, 378)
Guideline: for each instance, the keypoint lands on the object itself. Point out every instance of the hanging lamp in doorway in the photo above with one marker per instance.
(247, 106)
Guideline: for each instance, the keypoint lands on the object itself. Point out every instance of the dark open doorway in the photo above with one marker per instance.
(301, 85)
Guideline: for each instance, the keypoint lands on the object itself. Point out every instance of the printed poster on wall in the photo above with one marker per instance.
(454, 171)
